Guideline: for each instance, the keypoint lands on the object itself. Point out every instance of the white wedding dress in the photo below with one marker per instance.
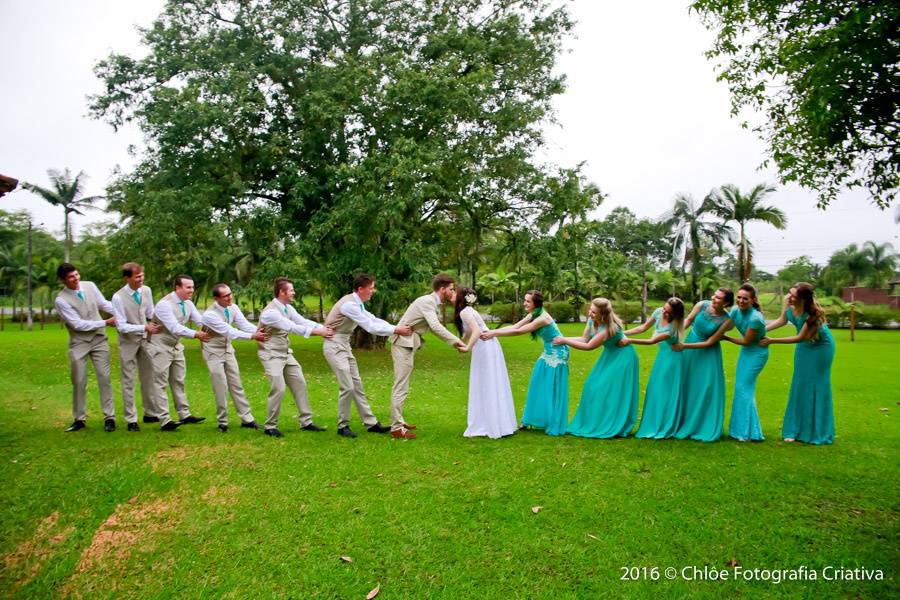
(491, 409)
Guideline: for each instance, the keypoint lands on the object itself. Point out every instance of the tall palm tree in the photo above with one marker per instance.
(852, 263)
(66, 192)
(691, 227)
(883, 259)
(732, 205)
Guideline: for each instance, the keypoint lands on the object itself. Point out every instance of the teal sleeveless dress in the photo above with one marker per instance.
(609, 400)
(810, 414)
(744, 422)
(662, 401)
(703, 382)
(547, 403)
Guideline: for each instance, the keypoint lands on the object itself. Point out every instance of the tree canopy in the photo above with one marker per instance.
(353, 134)
(824, 74)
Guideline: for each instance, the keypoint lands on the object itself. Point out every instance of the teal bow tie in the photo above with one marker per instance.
(80, 294)
(137, 297)
(183, 313)
(226, 314)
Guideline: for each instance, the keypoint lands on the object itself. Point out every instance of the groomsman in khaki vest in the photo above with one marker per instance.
(224, 321)
(278, 320)
(348, 313)
(172, 314)
(133, 309)
(421, 316)
(79, 304)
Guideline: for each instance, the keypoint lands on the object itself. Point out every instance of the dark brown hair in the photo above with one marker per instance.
(281, 283)
(441, 280)
(362, 280)
(130, 269)
(752, 290)
(459, 304)
(180, 279)
(729, 296)
(63, 270)
(806, 293)
(217, 289)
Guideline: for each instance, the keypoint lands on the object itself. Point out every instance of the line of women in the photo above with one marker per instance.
(685, 394)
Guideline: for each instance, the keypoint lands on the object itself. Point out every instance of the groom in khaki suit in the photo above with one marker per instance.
(421, 316)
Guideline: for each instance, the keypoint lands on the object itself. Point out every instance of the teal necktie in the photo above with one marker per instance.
(362, 307)
(285, 310)
(80, 295)
(181, 302)
(226, 314)
(137, 297)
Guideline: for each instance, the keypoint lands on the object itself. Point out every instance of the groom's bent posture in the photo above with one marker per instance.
(79, 304)
(348, 313)
(421, 316)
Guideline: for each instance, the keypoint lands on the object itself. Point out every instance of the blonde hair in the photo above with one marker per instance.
(604, 313)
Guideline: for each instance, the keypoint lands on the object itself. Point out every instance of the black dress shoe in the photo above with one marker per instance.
(378, 428)
(170, 426)
(313, 427)
(75, 426)
(192, 419)
(133, 427)
(109, 425)
(223, 428)
(274, 433)
(151, 419)
(346, 432)
(251, 425)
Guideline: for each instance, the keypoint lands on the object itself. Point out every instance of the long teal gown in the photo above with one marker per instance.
(547, 403)
(609, 400)
(703, 382)
(662, 401)
(744, 423)
(810, 415)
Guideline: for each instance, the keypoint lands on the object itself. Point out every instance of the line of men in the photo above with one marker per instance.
(150, 349)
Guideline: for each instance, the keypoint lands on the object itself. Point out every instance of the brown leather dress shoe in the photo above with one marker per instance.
(402, 434)
(408, 426)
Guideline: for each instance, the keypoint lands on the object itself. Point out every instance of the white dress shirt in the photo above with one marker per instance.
(122, 324)
(287, 319)
(356, 312)
(71, 316)
(163, 312)
(241, 329)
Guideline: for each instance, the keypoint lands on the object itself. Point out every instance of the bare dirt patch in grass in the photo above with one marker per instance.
(25, 562)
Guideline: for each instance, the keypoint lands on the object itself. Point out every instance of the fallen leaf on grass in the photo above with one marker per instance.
(593, 537)
(536, 509)
(333, 484)
(564, 464)
(374, 592)
(455, 462)
(346, 559)
(380, 475)
(733, 563)
(883, 409)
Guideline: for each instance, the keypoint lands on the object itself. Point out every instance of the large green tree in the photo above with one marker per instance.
(824, 76)
(367, 129)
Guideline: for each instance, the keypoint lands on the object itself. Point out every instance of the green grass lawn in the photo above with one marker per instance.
(199, 514)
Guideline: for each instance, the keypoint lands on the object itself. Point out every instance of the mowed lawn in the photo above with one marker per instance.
(196, 513)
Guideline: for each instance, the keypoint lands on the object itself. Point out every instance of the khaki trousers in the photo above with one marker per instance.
(339, 356)
(284, 372)
(225, 376)
(168, 373)
(403, 368)
(97, 350)
(134, 357)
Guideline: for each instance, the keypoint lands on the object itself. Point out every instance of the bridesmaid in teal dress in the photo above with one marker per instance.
(547, 403)
(810, 414)
(609, 400)
(744, 423)
(662, 400)
(703, 377)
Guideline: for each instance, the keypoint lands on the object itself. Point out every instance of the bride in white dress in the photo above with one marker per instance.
(491, 409)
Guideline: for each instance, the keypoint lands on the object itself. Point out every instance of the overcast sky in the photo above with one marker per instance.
(642, 110)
